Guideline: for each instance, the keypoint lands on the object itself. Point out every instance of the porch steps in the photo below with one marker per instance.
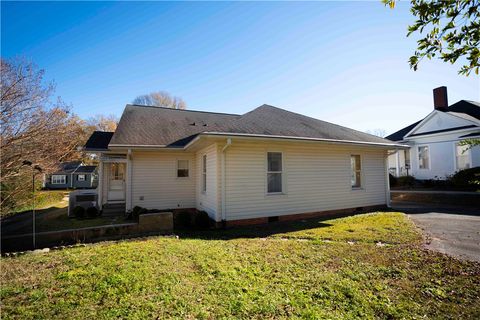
(113, 209)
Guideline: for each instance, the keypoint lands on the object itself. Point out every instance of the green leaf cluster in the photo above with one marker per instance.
(449, 29)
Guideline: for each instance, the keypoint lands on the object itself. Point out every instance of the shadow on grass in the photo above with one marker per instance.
(22, 221)
(255, 231)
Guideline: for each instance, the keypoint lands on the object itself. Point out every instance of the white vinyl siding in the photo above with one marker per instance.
(154, 178)
(207, 193)
(318, 177)
(59, 179)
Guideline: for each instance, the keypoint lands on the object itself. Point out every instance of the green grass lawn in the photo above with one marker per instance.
(44, 200)
(330, 269)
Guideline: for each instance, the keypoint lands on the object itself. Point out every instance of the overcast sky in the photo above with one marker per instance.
(343, 62)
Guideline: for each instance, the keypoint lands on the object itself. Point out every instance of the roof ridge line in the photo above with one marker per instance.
(185, 110)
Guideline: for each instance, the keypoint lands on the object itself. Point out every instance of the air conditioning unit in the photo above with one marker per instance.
(82, 198)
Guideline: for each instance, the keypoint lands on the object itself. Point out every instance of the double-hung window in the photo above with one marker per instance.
(204, 173)
(182, 169)
(462, 156)
(423, 157)
(274, 172)
(59, 179)
(81, 177)
(356, 170)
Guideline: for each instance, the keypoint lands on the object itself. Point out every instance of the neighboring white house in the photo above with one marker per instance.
(239, 168)
(435, 151)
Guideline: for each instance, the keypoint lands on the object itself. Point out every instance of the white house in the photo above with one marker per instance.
(435, 151)
(267, 164)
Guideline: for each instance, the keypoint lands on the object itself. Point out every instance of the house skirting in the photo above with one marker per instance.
(306, 215)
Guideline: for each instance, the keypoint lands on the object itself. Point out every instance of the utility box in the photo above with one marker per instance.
(82, 198)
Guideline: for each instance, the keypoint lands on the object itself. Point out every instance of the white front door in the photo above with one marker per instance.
(116, 183)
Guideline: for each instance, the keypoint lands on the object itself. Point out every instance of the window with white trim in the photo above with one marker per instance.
(204, 173)
(423, 157)
(59, 179)
(462, 156)
(81, 177)
(274, 172)
(356, 170)
(182, 168)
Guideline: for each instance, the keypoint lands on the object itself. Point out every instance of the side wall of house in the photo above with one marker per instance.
(87, 183)
(317, 177)
(50, 185)
(442, 155)
(208, 200)
(155, 184)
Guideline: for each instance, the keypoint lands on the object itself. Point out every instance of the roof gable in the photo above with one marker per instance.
(467, 110)
(439, 121)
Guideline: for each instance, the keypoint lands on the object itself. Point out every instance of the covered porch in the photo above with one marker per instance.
(114, 183)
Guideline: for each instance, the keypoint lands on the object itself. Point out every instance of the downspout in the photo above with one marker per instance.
(100, 184)
(224, 179)
(128, 204)
(387, 181)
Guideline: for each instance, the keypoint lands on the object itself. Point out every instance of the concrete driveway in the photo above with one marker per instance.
(451, 230)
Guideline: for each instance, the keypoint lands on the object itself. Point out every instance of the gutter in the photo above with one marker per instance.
(258, 136)
(266, 136)
(224, 179)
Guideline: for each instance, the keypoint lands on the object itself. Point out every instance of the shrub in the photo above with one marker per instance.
(183, 219)
(202, 220)
(469, 178)
(79, 212)
(92, 212)
(393, 180)
(406, 181)
(136, 212)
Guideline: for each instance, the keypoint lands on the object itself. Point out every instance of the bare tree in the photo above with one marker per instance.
(160, 99)
(33, 128)
(103, 122)
(382, 133)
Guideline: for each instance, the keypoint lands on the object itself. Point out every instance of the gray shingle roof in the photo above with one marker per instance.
(269, 120)
(155, 126)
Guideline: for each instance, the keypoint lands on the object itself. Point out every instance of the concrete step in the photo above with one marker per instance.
(113, 209)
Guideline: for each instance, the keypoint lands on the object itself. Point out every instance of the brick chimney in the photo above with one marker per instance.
(440, 100)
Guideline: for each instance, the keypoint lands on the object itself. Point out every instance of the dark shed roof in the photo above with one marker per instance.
(98, 141)
(86, 169)
(471, 108)
(398, 136)
(67, 167)
(156, 126)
